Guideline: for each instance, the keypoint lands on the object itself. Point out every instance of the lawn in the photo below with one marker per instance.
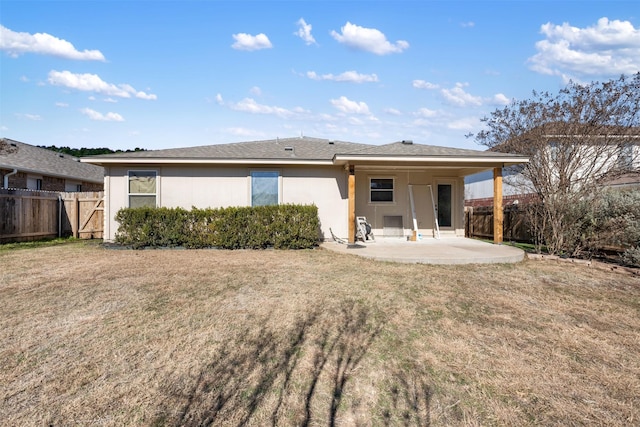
(95, 336)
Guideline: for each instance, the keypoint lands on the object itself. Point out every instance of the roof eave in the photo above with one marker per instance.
(201, 161)
(453, 160)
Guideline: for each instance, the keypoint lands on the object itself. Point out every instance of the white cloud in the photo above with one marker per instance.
(15, 44)
(249, 105)
(34, 117)
(421, 84)
(500, 99)
(368, 39)
(219, 99)
(255, 91)
(148, 96)
(62, 104)
(465, 123)
(392, 111)
(469, 24)
(347, 76)
(426, 113)
(248, 42)
(347, 106)
(604, 49)
(304, 32)
(4, 128)
(24, 79)
(93, 83)
(110, 100)
(458, 97)
(95, 115)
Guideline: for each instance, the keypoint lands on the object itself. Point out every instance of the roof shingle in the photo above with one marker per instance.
(29, 158)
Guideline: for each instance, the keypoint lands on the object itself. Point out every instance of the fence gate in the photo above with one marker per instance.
(84, 217)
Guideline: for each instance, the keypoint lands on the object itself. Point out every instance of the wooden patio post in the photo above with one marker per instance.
(498, 216)
(352, 205)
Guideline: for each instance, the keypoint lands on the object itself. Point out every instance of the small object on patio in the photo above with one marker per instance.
(363, 230)
(336, 238)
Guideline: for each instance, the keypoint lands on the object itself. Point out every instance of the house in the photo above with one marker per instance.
(401, 188)
(24, 166)
(564, 155)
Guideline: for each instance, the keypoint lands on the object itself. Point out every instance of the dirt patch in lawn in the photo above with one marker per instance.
(174, 337)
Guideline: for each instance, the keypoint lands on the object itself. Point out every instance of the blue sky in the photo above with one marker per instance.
(164, 74)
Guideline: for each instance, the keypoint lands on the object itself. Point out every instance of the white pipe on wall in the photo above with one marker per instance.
(6, 178)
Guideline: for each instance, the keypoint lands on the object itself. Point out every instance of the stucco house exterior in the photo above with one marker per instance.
(24, 166)
(400, 187)
(614, 159)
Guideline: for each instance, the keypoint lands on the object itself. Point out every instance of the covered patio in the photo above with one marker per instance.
(447, 250)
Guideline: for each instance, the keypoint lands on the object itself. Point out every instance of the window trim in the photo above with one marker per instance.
(393, 190)
(127, 183)
(250, 183)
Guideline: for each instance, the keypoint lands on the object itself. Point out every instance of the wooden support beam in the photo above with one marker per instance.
(498, 212)
(352, 205)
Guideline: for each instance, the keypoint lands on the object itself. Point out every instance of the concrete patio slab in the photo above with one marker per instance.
(447, 250)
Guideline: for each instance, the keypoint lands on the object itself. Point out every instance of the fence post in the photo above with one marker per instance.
(76, 216)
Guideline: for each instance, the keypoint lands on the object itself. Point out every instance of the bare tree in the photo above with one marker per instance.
(5, 147)
(576, 140)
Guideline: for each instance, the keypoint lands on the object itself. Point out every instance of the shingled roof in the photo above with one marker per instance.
(32, 159)
(302, 148)
(294, 150)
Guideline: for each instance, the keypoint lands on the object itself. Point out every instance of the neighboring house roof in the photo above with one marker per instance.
(570, 133)
(306, 150)
(31, 159)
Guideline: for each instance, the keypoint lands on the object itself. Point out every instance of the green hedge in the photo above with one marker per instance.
(280, 227)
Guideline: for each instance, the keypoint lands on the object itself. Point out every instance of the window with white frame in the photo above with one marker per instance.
(142, 189)
(265, 188)
(381, 190)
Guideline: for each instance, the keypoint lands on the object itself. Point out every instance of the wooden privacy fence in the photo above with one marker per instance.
(33, 215)
(479, 223)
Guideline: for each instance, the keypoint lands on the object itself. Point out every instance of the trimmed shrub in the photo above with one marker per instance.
(280, 227)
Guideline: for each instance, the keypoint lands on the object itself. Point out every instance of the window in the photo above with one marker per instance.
(70, 186)
(34, 183)
(381, 190)
(142, 189)
(265, 188)
(625, 159)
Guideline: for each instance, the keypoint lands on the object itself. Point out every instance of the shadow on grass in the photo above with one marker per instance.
(410, 398)
(290, 376)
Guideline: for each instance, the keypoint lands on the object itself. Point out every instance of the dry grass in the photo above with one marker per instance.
(90, 336)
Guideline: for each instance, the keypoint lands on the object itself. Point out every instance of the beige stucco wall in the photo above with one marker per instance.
(401, 206)
(201, 186)
(326, 187)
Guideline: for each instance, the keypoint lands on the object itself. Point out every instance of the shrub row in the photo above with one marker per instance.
(278, 226)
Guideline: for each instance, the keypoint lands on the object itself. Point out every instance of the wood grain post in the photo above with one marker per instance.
(498, 211)
(76, 217)
(352, 205)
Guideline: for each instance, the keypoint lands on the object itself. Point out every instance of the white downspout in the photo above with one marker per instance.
(6, 178)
